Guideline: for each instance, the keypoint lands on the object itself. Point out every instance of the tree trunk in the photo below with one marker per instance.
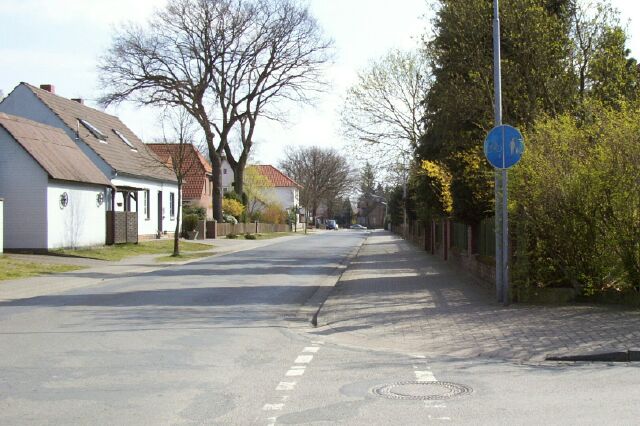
(216, 181)
(238, 180)
(176, 234)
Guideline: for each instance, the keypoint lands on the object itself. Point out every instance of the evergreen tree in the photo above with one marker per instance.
(537, 80)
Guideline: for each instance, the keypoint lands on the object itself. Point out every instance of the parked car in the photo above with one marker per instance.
(332, 224)
(358, 226)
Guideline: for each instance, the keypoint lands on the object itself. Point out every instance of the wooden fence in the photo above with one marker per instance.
(217, 230)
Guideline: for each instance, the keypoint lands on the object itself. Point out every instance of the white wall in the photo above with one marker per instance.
(23, 185)
(227, 175)
(149, 227)
(82, 222)
(287, 197)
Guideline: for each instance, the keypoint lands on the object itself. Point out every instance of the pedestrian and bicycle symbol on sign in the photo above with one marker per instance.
(503, 146)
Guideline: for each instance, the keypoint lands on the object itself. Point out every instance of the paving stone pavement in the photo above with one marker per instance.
(396, 297)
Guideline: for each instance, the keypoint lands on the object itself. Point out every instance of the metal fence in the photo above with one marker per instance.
(460, 237)
(487, 237)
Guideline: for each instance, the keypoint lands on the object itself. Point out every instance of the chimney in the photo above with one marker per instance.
(78, 100)
(48, 87)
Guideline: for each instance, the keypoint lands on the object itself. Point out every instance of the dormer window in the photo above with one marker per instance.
(124, 139)
(94, 130)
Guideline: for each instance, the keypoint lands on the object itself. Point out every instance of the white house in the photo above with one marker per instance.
(282, 189)
(53, 194)
(142, 185)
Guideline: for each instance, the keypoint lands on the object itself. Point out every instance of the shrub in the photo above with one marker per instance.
(201, 212)
(232, 195)
(273, 213)
(574, 203)
(248, 236)
(232, 236)
(230, 219)
(189, 222)
(232, 207)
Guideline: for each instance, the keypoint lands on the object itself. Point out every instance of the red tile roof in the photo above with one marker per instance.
(53, 150)
(195, 167)
(275, 176)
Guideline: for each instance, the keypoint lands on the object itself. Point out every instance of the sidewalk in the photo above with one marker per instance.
(98, 271)
(396, 297)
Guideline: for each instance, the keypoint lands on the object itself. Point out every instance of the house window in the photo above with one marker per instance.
(224, 171)
(172, 205)
(124, 139)
(146, 204)
(94, 130)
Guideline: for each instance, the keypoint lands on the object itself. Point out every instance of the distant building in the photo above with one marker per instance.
(282, 189)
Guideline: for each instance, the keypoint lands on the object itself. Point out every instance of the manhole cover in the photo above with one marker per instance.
(421, 390)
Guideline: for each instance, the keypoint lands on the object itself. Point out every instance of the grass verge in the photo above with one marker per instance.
(120, 251)
(13, 268)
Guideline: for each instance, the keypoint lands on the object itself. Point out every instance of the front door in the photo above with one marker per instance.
(160, 215)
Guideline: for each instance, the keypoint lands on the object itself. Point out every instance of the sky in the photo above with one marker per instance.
(59, 42)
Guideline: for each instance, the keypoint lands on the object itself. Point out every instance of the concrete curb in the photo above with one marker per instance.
(311, 309)
(630, 355)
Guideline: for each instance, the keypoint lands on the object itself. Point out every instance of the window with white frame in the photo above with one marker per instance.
(172, 205)
(146, 203)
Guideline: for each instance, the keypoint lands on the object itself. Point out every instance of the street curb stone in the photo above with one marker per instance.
(311, 309)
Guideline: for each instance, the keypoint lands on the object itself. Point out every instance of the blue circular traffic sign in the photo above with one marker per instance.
(503, 146)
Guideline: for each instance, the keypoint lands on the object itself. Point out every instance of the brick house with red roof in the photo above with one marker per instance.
(196, 170)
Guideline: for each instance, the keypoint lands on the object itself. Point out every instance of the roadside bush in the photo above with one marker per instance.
(232, 207)
(229, 219)
(201, 212)
(273, 213)
(189, 222)
(232, 236)
(250, 236)
(575, 203)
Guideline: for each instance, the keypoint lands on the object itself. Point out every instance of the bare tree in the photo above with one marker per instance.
(179, 134)
(280, 56)
(170, 62)
(220, 60)
(323, 174)
(383, 112)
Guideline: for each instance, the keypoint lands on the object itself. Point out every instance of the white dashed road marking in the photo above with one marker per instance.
(303, 359)
(294, 370)
(285, 386)
(425, 376)
(269, 407)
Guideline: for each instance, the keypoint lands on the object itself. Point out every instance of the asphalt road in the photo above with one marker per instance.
(224, 341)
(206, 342)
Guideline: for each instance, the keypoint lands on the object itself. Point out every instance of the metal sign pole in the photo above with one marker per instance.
(500, 176)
